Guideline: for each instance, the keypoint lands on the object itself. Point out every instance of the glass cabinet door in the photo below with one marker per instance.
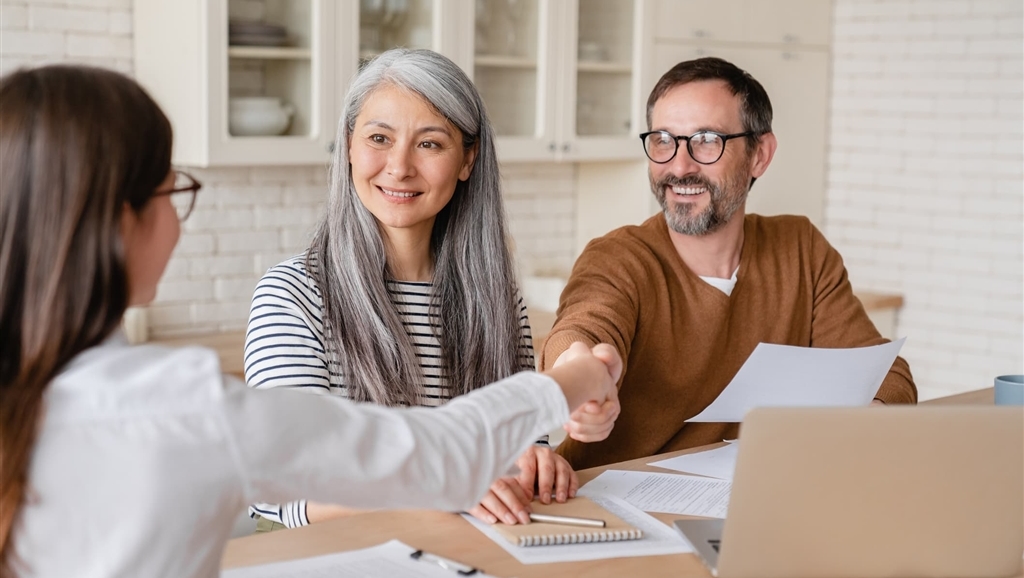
(604, 68)
(505, 65)
(270, 68)
(386, 24)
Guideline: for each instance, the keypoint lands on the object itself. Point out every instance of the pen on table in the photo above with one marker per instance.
(567, 520)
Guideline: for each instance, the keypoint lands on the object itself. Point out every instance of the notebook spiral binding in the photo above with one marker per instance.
(554, 540)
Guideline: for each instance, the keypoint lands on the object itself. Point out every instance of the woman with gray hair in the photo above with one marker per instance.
(407, 294)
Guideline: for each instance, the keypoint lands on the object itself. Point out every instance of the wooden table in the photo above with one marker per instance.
(449, 535)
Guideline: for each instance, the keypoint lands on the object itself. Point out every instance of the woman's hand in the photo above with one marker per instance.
(542, 473)
(505, 501)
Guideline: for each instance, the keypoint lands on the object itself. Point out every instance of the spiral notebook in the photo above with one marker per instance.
(545, 534)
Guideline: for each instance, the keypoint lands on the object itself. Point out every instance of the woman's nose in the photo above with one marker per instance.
(400, 163)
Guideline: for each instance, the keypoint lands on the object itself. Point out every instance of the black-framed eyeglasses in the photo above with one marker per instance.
(183, 194)
(705, 147)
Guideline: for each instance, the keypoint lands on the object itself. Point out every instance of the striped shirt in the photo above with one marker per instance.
(285, 347)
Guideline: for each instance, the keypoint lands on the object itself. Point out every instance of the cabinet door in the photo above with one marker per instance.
(804, 22)
(699, 20)
(515, 68)
(797, 84)
(242, 83)
(386, 24)
(602, 100)
(793, 22)
(268, 58)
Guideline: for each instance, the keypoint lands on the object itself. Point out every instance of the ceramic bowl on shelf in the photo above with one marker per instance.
(258, 116)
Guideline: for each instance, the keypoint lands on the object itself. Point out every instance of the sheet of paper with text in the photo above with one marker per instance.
(665, 493)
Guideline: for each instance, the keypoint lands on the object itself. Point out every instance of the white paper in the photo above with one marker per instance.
(658, 539)
(784, 375)
(666, 493)
(389, 560)
(717, 463)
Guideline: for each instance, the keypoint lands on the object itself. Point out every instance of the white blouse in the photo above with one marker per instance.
(128, 430)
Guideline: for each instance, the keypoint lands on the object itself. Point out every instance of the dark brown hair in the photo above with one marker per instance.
(755, 106)
(76, 145)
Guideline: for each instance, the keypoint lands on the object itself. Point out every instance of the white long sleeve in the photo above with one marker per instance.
(145, 456)
(414, 457)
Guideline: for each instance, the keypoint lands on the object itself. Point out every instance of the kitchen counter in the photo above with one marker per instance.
(882, 308)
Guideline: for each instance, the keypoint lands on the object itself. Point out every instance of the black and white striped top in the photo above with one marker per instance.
(284, 347)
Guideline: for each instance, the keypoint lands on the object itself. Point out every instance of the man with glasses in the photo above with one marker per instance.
(687, 295)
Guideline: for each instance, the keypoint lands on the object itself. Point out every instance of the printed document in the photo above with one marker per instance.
(389, 560)
(658, 539)
(666, 493)
(717, 463)
(784, 375)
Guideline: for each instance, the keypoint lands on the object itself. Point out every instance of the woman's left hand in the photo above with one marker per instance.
(543, 474)
(547, 473)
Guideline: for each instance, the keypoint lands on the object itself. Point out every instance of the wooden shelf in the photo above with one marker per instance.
(269, 52)
(603, 67)
(495, 61)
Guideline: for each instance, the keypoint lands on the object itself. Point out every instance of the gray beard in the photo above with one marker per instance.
(725, 201)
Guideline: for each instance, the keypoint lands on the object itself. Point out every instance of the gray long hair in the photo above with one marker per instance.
(474, 286)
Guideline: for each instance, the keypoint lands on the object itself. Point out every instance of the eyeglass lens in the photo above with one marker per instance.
(704, 147)
(185, 196)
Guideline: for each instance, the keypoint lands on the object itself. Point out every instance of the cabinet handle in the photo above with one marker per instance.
(330, 147)
(552, 147)
(791, 38)
(565, 147)
(789, 56)
(700, 33)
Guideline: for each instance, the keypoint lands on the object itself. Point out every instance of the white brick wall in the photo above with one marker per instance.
(926, 190)
(251, 218)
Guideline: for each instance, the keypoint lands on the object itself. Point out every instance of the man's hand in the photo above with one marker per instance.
(593, 422)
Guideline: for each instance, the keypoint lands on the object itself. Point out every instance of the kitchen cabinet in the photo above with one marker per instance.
(184, 59)
(793, 22)
(203, 59)
(561, 78)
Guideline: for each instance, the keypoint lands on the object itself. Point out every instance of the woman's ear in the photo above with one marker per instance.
(129, 221)
(467, 165)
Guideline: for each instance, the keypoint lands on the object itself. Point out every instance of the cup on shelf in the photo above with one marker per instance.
(1009, 390)
(258, 116)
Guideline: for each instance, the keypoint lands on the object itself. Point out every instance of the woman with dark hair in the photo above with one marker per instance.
(408, 293)
(97, 436)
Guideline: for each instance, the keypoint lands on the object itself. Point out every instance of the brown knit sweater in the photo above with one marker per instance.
(683, 340)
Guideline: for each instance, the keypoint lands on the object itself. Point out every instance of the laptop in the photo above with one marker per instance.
(872, 492)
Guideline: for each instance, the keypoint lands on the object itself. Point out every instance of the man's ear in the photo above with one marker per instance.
(763, 154)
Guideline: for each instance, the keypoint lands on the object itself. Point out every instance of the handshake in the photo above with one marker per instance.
(588, 378)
